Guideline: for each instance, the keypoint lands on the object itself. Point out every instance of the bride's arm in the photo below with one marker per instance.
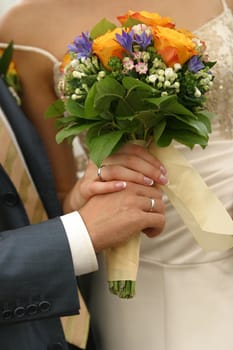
(36, 74)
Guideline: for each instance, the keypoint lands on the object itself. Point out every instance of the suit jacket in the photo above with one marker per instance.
(37, 279)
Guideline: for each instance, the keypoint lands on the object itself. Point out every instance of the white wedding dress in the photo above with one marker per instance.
(184, 296)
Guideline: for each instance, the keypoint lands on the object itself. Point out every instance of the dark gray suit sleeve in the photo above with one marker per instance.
(37, 278)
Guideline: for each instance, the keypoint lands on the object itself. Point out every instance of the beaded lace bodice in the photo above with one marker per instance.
(218, 35)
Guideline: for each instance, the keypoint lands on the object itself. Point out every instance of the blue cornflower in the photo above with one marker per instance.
(195, 64)
(143, 40)
(82, 46)
(125, 40)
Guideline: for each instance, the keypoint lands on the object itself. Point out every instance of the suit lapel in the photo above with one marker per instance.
(33, 151)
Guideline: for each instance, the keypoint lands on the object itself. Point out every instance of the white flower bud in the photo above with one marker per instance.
(169, 73)
(75, 74)
(102, 74)
(74, 97)
(176, 85)
(152, 78)
(161, 78)
(161, 72)
(167, 84)
(197, 92)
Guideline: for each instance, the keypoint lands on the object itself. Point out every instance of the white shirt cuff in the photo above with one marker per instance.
(82, 251)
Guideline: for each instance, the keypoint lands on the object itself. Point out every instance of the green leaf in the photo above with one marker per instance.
(205, 117)
(56, 109)
(158, 130)
(129, 125)
(185, 122)
(101, 28)
(66, 121)
(137, 93)
(102, 146)
(131, 22)
(190, 139)
(161, 101)
(6, 58)
(66, 133)
(185, 137)
(107, 91)
(75, 108)
(173, 106)
(165, 139)
(73, 130)
(123, 108)
(137, 100)
(131, 83)
(207, 114)
(90, 111)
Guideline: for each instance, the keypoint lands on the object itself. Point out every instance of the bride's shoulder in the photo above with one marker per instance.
(12, 23)
(17, 22)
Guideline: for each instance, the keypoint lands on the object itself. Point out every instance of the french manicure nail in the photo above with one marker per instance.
(163, 179)
(163, 170)
(120, 185)
(148, 181)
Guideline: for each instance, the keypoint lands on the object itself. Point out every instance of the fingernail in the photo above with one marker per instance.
(120, 185)
(163, 179)
(163, 170)
(148, 181)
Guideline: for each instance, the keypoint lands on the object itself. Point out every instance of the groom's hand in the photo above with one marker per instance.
(113, 218)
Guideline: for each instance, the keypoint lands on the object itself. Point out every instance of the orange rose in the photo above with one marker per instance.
(148, 18)
(106, 46)
(174, 46)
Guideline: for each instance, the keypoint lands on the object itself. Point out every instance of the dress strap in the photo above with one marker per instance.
(225, 5)
(43, 52)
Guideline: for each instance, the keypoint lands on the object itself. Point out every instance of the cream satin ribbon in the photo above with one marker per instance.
(75, 327)
(200, 209)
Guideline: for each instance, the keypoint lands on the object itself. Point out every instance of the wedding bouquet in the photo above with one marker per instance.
(143, 80)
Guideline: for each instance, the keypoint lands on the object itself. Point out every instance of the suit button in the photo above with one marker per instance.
(10, 199)
(55, 346)
(7, 314)
(32, 309)
(19, 311)
(44, 306)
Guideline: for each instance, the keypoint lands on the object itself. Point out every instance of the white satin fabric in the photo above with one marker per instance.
(184, 296)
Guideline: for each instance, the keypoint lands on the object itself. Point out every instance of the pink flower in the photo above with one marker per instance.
(141, 68)
(128, 64)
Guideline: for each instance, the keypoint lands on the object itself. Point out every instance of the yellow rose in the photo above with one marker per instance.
(174, 46)
(106, 46)
(148, 18)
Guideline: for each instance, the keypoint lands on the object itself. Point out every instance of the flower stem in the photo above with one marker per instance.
(124, 289)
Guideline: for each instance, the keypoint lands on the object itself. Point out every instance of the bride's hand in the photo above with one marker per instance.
(132, 163)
